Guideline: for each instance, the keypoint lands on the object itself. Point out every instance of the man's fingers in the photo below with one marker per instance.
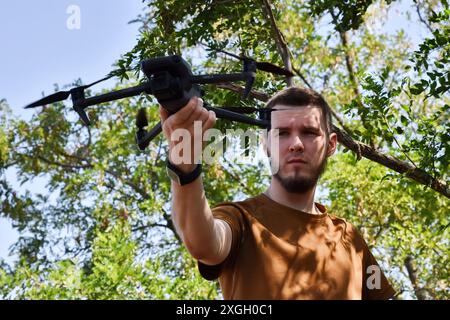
(210, 121)
(163, 114)
(195, 115)
(203, 115)
(184, 113)
(185, 117)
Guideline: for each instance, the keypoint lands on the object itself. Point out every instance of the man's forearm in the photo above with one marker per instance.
(193, 218)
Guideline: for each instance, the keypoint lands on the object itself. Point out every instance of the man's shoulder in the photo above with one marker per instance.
(350, 230)
(354, 236)
(246, 205)
(340, 220)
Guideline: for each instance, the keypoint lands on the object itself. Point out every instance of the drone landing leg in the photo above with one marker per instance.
(145, 140)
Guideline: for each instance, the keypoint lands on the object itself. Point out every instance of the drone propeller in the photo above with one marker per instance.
(55, 97)
(62, 95)
(263, 66)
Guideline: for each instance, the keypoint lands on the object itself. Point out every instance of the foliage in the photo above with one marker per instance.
(113, 274)
(102, 228)
(396, 217)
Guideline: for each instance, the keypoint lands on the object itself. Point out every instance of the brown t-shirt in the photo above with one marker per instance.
(278, 252)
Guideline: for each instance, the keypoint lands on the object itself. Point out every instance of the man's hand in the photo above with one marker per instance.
(184, 119)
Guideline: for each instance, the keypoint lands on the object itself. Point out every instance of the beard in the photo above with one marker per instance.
(299, 182)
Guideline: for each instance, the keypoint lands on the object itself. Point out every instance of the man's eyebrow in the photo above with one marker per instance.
(312, 128)
(282, 128)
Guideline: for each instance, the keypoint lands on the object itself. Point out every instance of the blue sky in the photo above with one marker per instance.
(37, 50)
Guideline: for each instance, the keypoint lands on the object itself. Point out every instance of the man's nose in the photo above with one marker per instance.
(296, 145)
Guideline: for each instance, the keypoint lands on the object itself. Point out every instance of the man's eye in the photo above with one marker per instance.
(283, 133)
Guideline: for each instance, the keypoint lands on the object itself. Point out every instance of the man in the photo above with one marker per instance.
(280, 244)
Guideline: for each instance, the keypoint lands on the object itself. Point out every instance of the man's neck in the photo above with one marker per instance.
(299, 201)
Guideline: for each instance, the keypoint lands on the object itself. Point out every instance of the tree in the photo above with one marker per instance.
(390, 105)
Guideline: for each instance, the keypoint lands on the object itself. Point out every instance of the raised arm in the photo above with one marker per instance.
(206, 238)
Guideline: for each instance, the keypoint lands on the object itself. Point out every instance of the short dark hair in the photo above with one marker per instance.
(302, 97)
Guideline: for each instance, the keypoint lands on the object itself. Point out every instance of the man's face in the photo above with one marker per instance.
(303, 146)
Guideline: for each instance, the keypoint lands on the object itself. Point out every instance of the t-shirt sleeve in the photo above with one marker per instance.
(375, 284)
(232, 215)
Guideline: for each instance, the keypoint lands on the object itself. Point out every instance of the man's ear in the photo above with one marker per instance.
(332, 144)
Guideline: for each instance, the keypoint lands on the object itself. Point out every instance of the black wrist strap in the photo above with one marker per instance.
(181, 177)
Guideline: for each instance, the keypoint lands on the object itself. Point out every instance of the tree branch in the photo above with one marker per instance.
(350, 65)
(171, 225)
(258, 95)
(395, 164)
(7, 165)
(412, 274)
(236, 177)
(388, 161)
(148, 226)
(129, 183)
(341, 121)
(421, 18)
(351, 70)
(282, 47)
(297, 71)
(71, 167)
(351, 73)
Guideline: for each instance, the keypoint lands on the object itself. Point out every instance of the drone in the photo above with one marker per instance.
(171, 81)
